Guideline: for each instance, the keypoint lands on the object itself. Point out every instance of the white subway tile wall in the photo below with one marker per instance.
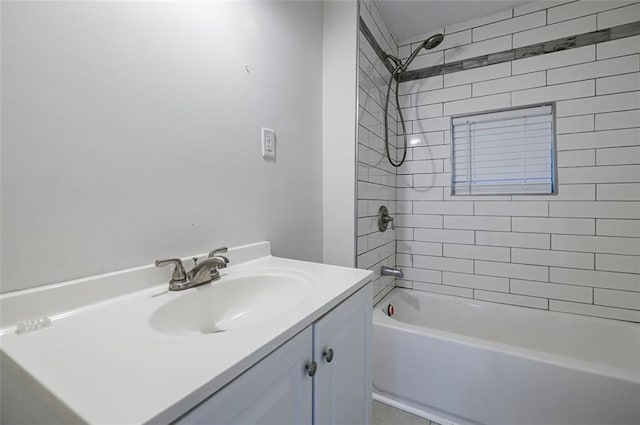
(619, 16)
(554, 31)
(576, 10)
(376, 177)
(577, 251)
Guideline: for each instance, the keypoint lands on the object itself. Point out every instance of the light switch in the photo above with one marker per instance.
(268, 143)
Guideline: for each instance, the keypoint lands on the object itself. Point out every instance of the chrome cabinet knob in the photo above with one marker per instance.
(328, 355)
(311, 368)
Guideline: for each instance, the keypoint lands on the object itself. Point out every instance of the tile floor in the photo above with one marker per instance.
(387, 415)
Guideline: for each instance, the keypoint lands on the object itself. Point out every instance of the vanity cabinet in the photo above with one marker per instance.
(320, 376)
(342, 350)
(277, 390)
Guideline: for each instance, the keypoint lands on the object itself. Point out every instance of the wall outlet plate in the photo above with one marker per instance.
(268, 143)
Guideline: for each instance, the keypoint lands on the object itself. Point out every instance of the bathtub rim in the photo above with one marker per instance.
(381, 319)
(422, 412)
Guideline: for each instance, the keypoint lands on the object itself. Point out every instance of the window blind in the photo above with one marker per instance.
(507, 152)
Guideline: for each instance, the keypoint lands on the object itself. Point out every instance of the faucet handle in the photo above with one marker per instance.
(389, 220)
(215, 252)
(179, 275)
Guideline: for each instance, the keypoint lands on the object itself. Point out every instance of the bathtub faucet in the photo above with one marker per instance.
(390, 271)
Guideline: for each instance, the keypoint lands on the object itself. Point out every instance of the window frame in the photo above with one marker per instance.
(554, 146)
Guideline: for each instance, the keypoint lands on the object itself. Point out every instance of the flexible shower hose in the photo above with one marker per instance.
(386, 120)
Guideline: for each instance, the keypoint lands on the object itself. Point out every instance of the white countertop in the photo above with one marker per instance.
(106, 364)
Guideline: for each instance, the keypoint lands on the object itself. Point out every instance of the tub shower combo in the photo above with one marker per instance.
(463, 361)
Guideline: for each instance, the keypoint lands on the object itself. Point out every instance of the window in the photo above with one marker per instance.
(504, 153)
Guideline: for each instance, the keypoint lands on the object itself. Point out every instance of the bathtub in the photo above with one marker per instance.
(462, 361)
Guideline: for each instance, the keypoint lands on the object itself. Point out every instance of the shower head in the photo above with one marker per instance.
(433, 41)
(428, 44)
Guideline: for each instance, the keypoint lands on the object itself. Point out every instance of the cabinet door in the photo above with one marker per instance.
(342, 386)
(276, 391)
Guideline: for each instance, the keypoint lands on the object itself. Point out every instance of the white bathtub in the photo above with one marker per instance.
(463, 361)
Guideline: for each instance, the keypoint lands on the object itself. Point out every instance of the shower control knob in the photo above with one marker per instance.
(384, 219)
(311, 368)
(328, 355)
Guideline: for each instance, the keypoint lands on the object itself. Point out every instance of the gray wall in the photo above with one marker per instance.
(339, 66)
(131, 131)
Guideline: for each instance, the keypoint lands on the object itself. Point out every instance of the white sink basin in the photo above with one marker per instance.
(233, 302)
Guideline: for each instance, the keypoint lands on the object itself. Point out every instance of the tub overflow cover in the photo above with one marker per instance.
(391, 310)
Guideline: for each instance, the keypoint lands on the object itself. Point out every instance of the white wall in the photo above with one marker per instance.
(131, 131)
(1, 133)
(376, 177)
(339, 72)
(576, 252)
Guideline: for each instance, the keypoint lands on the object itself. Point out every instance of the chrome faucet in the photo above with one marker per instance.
(391, 271)
(201, 273)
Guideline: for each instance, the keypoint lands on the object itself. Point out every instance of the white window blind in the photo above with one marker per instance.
(507, 152)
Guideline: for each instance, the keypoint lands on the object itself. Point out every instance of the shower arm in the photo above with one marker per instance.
(397, 62)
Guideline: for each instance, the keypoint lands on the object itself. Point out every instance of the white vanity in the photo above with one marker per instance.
(273, 341)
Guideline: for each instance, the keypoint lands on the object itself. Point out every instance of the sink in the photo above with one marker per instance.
(231, 303)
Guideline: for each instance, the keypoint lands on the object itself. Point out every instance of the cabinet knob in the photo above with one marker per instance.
(311, 368)
(328, 355)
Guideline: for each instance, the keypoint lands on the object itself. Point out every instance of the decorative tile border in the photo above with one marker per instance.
(374, 44)
(565, 43)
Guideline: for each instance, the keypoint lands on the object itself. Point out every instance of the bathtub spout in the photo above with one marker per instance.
(390, 271)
